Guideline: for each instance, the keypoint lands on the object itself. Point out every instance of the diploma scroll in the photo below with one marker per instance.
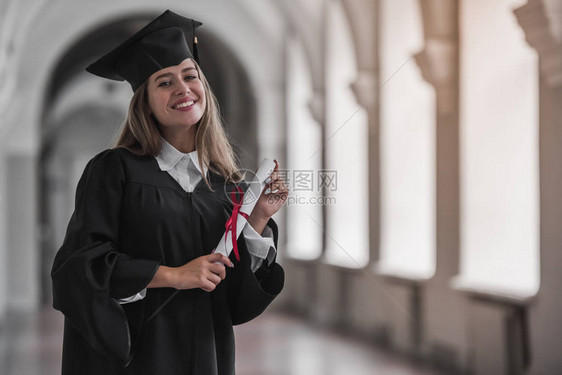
(251, 196)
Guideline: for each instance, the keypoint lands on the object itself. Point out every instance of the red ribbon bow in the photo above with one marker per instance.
(231, 222)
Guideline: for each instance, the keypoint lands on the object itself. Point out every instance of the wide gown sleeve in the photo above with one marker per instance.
(251, 292)
(89, 272)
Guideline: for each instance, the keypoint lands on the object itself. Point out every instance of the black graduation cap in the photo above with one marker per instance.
(164, 42)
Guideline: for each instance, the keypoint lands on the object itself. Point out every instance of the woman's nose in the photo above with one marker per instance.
(182, 88)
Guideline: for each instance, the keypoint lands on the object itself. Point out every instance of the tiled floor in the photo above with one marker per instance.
(273, 344)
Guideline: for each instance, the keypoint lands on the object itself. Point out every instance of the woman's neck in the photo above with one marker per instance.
(183, 140)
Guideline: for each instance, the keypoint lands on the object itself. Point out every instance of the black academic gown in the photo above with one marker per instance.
(130, 217)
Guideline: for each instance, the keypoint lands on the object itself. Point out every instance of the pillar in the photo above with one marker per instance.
(541, 20)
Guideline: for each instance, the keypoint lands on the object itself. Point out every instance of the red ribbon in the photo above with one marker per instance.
(231, 222)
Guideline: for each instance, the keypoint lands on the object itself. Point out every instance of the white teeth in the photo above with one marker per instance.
(185, 104)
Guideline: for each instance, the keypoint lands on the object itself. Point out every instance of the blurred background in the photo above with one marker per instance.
(421, 141)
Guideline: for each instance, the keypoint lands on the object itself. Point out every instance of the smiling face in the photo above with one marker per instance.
(176, 95)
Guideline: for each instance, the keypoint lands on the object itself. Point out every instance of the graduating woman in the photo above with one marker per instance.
(141, 290)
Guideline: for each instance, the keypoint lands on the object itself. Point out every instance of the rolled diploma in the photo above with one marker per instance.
(248, 203)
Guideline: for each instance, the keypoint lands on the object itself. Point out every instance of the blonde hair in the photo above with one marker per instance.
(140, 135)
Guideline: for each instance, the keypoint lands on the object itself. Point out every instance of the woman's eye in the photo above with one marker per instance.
(189, 78)
(164, 83)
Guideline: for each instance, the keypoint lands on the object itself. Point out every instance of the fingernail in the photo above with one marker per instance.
(275, 191)
(267, 191)
(231, 265)
(268, 180)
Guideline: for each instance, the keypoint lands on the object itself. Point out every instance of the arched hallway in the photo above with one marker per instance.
(421, 140)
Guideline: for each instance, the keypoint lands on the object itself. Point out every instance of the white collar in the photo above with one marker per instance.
(169, 156)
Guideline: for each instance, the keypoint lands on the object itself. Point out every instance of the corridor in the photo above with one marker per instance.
(420, 141)
(273, 344)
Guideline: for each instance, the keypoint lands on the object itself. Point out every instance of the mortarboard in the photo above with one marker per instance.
(164, 42)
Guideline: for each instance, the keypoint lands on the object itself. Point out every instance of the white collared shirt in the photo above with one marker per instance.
(184, 168)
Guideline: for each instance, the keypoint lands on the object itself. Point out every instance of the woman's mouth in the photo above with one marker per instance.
(184, 104)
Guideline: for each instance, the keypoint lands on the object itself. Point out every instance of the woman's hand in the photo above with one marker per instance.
(273, 196)
(205, 272)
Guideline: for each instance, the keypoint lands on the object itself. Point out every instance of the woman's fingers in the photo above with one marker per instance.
(205, 272)
(218, 257)
(276, 186)
(208, 286)
(218, 269)
(210, 280)
(214, 278)
(276, 183)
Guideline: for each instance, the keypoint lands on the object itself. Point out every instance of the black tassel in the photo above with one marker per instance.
(195, 52)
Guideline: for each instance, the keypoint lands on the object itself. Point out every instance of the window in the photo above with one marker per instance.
(304, 214)
(499, 150)
(407, 144)
(346, 150)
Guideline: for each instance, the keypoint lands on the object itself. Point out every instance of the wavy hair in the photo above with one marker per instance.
(140, 135)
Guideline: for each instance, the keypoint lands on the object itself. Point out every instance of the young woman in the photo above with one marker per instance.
(141, 290)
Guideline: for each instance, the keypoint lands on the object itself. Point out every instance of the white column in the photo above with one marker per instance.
(541, 21)
(21, 227)
(444, 330)
(3, 240)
